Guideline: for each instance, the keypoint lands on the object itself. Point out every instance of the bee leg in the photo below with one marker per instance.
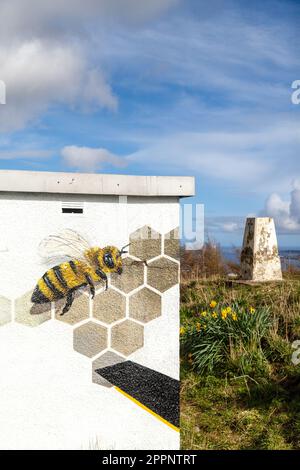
(103, 276)
(70, 298)
(91, 285)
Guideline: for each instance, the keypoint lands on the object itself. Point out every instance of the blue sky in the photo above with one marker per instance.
(163, 87)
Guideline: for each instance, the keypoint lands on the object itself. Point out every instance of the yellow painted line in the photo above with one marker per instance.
(147, 409)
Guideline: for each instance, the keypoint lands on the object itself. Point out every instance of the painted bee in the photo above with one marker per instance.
(86, 266)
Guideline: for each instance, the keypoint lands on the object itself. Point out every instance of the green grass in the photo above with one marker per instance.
(240, 389)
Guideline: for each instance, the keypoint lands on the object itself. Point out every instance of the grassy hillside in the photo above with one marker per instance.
(240, 389)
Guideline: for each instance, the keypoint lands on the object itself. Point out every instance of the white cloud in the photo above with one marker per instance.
(285, 213)
(40, 73)
(90, 159)
(46, 53)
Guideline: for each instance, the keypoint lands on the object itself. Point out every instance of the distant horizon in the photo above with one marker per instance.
(237, 247)
(291, 248)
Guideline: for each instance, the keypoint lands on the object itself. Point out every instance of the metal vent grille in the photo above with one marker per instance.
(72, 207)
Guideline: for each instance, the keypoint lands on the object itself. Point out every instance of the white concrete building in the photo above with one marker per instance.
(51, 395)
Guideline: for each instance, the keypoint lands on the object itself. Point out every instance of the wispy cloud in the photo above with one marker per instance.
(253, 157)
(227, 224)
(28, 153)
(90, 159)
(228, 54)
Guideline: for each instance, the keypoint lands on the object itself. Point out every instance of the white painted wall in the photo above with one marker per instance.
(47, 407)
(25, 219)
(27, 421)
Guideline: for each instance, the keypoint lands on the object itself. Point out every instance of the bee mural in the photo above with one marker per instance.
(85, 266)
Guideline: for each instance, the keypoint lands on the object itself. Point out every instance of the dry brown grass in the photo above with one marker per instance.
(202, 264)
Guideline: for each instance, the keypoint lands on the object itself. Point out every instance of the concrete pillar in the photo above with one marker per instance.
(260, 260)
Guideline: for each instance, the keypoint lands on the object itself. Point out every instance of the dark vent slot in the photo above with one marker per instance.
(72, 210)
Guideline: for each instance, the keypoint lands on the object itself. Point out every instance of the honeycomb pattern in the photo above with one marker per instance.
(132, 276)
(5, 311)
(172, 245)
(78, 312)
(145, 243)
(109, 306)
(127, 337)
(31, 314)
(145, 305)
(110, 327)
(105, 360)
(162, 274)
(90, 339)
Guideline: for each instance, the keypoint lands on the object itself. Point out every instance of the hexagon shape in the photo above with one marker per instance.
(145, 305)
(5, 310)
(109, 306)
(31, 314)
(172, 245)
(90, 339)
(162, 274)
(131, 277)
(127, 337)
(107, 359)
(79, 310)
(145, 243)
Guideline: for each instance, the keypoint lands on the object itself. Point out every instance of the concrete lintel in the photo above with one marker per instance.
(94, 183)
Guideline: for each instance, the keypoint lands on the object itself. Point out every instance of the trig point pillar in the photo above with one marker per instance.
(260, 261)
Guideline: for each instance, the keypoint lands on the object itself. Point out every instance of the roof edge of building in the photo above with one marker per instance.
(95, 183)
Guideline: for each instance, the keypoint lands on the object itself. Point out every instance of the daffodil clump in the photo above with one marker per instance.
(211, 334)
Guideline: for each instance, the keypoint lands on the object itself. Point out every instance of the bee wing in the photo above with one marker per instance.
(67, 244)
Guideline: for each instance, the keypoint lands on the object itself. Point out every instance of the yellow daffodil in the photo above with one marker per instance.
(252, 310)
(214, 315)
(228, 310)
(203, 314)
(198, 326)
(224, 314)
(182, 330)
(213, 304)
(234, 316)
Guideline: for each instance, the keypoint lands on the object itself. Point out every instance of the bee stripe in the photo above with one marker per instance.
(45, 290)
(60, 278)
(38, 297)
(72, 274)
(56, 293)
(73, 267)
